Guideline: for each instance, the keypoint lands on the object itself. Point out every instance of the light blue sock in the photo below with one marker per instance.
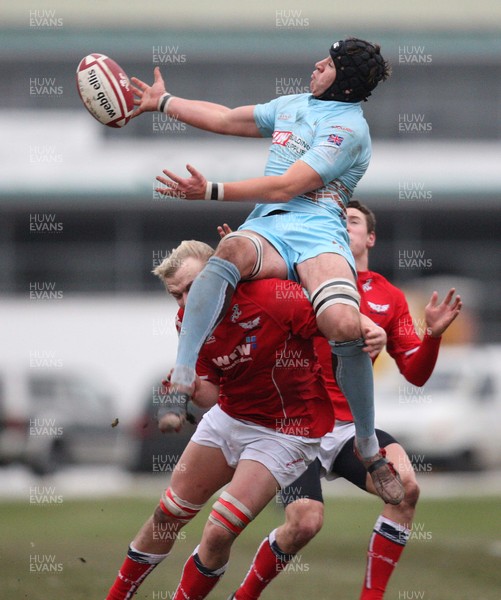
(355, 378)
(207, 303)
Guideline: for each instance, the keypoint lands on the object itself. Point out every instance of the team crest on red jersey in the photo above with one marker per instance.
(236, 313)
(250, 324)
(379, 308)
(367, 286)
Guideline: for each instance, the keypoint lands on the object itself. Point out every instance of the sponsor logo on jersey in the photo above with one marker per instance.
(252, 340)
(283, 117)
(211, 339)
(298, 145)
(250, 324)
(292, 142)
(379, 308)
(240, 354)
(281, 137)
(236, 313)
(335, 139)
(342, 128)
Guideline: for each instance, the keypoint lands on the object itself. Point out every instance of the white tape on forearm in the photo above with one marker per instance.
(164, 101)
(214, 191)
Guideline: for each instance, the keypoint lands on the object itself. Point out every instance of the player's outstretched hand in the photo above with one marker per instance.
(439, 316)
(192, 188)
(224, 230)
(147, 96)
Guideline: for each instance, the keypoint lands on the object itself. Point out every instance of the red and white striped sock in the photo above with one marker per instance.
(136, 567)
(197, 580)
(268, 562)
(385, 547)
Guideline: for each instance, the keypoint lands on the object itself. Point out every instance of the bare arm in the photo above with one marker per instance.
(215, 117)
(299, 178)
(197, 113)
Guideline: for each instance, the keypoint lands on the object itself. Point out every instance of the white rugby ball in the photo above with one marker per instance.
(105, 90)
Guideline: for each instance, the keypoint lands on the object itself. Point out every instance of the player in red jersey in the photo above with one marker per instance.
(416, 359)
(257, 438)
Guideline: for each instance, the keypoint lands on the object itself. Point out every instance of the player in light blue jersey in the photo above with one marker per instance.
(320, 149)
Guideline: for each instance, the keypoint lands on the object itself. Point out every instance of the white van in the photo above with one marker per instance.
(50, 417)
(455, 419)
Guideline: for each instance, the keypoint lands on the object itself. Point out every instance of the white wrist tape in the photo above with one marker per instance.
(163, 102)
(214, 191)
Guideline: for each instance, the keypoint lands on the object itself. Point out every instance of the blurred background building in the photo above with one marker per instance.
(81, 226)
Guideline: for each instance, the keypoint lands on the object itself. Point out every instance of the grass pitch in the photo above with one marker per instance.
(73, 549)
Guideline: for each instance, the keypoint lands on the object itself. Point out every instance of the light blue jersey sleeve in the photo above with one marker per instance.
(264, 116)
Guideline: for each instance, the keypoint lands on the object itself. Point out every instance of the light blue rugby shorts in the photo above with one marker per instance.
(298, 236)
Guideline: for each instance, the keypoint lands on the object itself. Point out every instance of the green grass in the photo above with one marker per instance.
(454, 553)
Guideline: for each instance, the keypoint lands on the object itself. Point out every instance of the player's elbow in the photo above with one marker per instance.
(279, 196)
(417, 380)
(300, 179)
(283, 190)
(206, 395)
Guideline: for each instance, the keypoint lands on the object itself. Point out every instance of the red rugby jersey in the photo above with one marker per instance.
(387, 306)
(263, 358)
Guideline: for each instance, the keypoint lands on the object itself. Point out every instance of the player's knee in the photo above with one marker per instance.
(304, 519)
(217, 539)
(229, 248)
(407, 508)
(237, 251)
(412, 491)
(346, 324)
(308, 529)
(340, 323)
(336, 303)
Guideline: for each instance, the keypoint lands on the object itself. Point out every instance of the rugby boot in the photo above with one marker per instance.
(384, 476)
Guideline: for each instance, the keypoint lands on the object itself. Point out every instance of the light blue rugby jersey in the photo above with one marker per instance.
(331, 137)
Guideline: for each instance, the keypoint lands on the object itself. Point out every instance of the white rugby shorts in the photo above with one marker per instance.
(285, 456)
(331, 445)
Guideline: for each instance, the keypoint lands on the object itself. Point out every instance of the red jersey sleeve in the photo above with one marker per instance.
(415, 358)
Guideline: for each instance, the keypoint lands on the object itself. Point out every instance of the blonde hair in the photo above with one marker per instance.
(187, 249)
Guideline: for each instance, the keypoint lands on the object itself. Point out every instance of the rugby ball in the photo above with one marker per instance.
(105, 90)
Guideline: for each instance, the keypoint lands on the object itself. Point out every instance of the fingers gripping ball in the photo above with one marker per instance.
(105, 90)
